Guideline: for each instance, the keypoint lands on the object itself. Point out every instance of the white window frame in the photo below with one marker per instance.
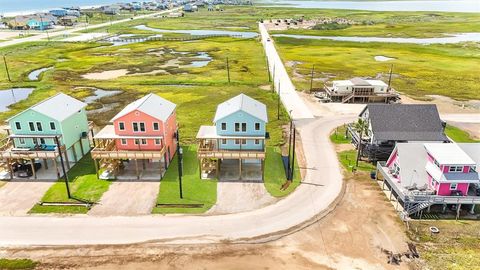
(237, 142)
(456, 169)
(257, 142)
(222, 125)
(241, 127)
(21, 141)
(120, 126)
(244, 141)
(144, 141)
(54, 126)
(144, 127)
(139, 127)
(453, 185)
(224, 141)
(123, 141)
(32, 125)
(158, 142)
(259, 126)
(18, 125)
(42, 141)
(136, 141)
(158, 126)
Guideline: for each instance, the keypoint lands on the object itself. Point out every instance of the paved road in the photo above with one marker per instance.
(69, 31)
(289, 96)
(320, 188)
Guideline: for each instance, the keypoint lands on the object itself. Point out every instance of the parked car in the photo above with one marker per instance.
(24, 170)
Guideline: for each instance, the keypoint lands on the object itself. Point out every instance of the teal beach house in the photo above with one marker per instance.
(234, 147)
(36, 133)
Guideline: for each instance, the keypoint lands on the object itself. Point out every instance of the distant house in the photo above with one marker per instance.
(188, 8)
(358, 89)
(234, 148)
(36, 22)
(33, 133)
(423, 175)
(68, 20)
(59, 12)
(110, 10)
(385, 125)
(144, 130)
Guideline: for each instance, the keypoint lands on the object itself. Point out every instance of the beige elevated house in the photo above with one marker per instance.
(360, 90)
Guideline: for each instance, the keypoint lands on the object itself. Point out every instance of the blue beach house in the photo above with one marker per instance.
(234, 147)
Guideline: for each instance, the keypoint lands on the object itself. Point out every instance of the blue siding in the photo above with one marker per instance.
(250, 121)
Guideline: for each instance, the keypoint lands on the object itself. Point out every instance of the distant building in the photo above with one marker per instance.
(358, 89)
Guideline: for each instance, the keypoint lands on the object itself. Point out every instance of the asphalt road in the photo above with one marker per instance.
(69, 31)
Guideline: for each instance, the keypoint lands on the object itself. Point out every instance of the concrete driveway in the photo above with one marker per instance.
(18, 196)
(127, 198)
(235, 197)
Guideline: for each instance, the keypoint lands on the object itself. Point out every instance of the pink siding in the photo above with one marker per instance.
(166, 130)
(444, 189)
(466, 169)
(445, 168)
(393, 157)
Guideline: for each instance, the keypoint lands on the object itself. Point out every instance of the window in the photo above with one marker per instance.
(156, 126)
(224, 141)
(142, 127)
(21, 140)
(158, 142)
(52, 126)
(257, 126)
(257, 141)
(244, 141)
(472, 169)
(121, 125)
(237, 141)
(144, 141)
(35, 141)
(18, 126)
(237, 127)
(123, 141)
(224, 126)
(455, 169)
(436, 163)
(39, 126)
(138, 127)
(42, 141)
(453, 186)
(32, 126)
(244, 127)
(137, 141)
(135, 127)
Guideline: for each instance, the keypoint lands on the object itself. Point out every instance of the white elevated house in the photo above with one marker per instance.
(358, 89)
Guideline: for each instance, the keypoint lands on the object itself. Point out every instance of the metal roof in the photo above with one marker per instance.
(405, 122)
(448, 154)
(150, 104)
(58, 107)
(243, 103)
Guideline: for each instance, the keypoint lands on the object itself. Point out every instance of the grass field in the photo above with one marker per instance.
(275, 177)
(338, 135)
(459, 135)
(448, 70)
(10, 264)
(84, 185)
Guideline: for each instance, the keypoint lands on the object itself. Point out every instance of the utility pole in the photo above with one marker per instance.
(273, 76)
(278, 103)
(289, 145)
(292, 169)
(65, 176)
(359, 144)
(180, 163)
(390, 78)
(228, 70)
(6, 68)
(311, 78)
(268, 70)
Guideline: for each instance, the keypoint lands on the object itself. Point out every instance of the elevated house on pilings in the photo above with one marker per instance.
(38, 136)
(424, 177)
(140, 142)
(360, 90)
(234, 147)
(389, 124)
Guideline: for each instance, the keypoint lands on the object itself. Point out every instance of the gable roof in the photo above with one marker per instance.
(58, 107)
(243, 103)
(448, 154)
(405, 122)
(150, 104)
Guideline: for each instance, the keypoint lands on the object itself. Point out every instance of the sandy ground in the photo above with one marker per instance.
(446, 105)
(351, 237)
(235, 197)
(106, 75)
(17, 197)
(127, 198)
(472, 128)
(5, 35)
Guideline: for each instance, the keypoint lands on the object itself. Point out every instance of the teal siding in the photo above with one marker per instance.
(249, 120)
(72, 129)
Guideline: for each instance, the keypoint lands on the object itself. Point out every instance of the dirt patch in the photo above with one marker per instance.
(106, 75)
(446, 104)
(266, 87)
(472, 128)
(344, 147)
